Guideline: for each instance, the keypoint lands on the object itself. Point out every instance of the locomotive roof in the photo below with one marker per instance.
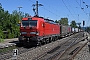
(46, 20)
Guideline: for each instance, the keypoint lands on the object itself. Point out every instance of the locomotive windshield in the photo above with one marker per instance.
(25, 23)
(29, 23)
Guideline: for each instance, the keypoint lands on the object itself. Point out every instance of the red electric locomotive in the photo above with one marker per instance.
(38, 30)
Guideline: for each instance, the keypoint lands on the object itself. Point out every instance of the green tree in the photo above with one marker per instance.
(1, 34)
(9, 22)
(56, 21)
(26, 15)
(73, 24)
(63, 21)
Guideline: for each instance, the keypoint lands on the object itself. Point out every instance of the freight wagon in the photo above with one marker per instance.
(65, 30)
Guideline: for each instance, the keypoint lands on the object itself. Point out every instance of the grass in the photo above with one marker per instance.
(1, 40)
(7, 49)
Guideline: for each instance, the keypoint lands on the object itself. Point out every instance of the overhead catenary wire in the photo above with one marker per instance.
(31, 1)
(73, 10)
(56, 10)
(52, 8)
(68, 9)
(81, 7)
(48, 10)
(87, 6)
(80, 4)
(84, 10)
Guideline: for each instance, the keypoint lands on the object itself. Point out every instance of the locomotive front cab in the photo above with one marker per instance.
(28, 30)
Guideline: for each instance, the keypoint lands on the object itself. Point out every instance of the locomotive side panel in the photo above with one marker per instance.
(48, 28)
(51, 29)
(40, 27)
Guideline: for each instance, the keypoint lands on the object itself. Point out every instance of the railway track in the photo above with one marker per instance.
(36, 52)
(57, 52)
(33, 53)
(71, 51)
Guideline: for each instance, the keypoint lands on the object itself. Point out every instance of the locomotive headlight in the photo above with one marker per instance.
(23, 32)
(32, 32)
(37, 33)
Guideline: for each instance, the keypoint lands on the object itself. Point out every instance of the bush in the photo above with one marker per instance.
(1, 34)
(1, 40)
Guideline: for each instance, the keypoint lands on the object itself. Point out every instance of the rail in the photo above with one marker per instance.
(56, 53)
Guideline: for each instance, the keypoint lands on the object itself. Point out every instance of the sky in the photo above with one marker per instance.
(53, 9)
